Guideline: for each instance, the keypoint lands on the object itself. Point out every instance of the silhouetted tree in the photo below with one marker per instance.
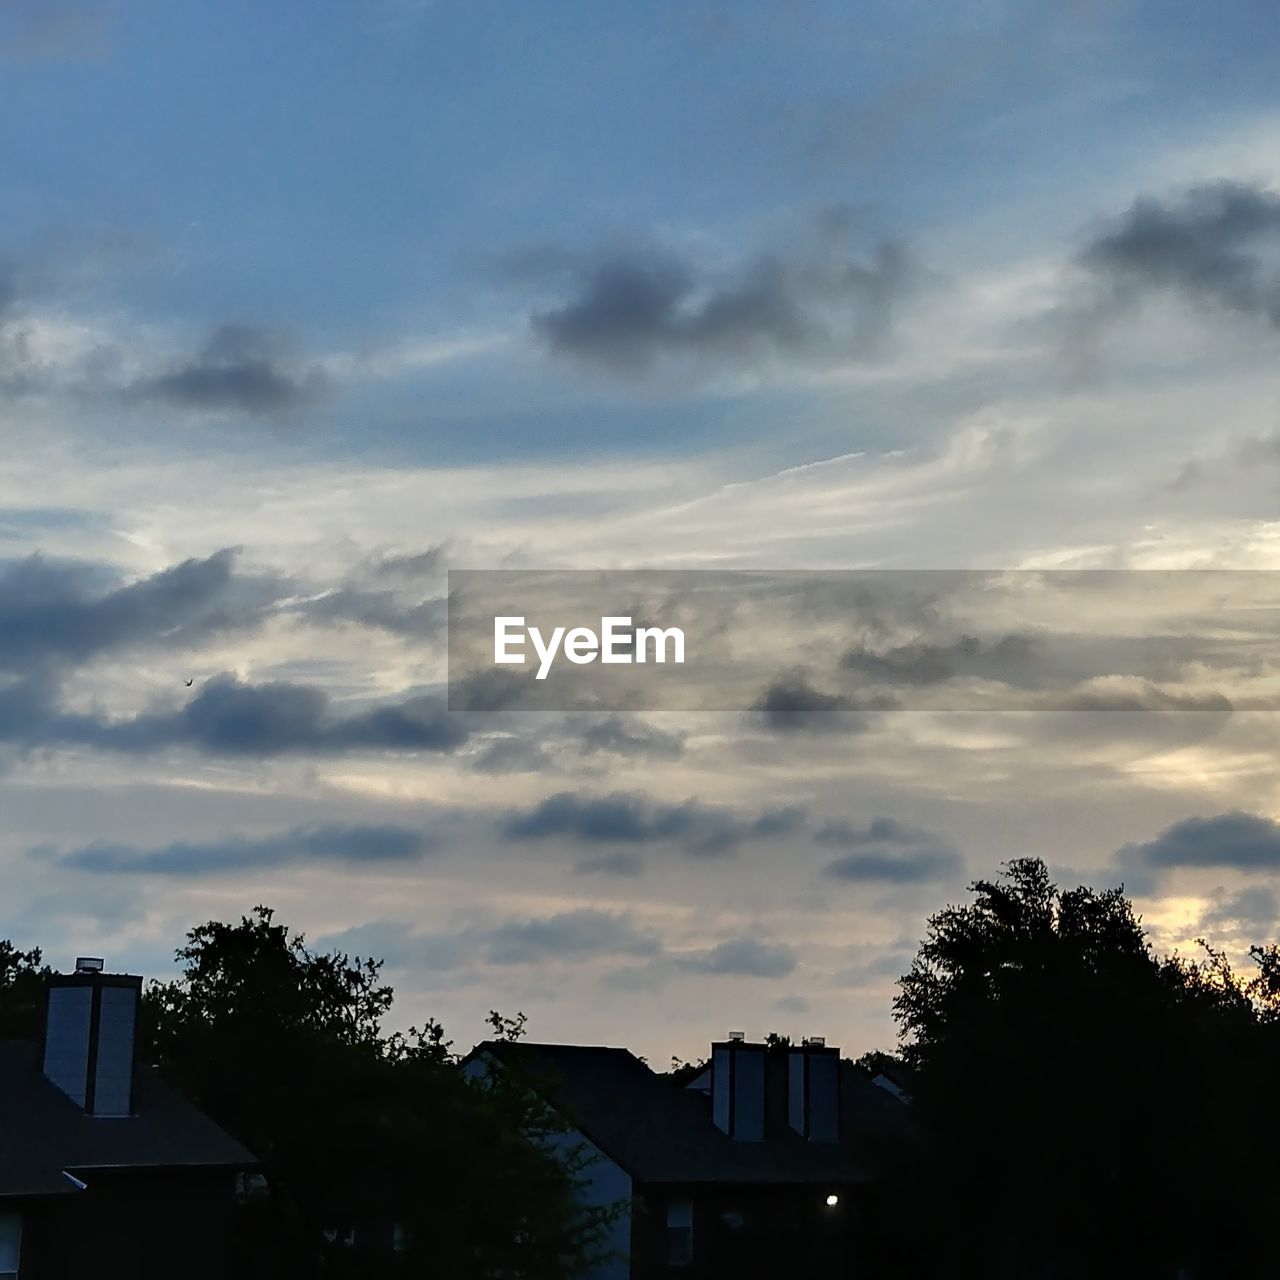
(1088, 1108)
(385, 1160)
(22, 986)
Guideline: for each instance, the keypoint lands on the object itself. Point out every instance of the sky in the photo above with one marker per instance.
(304, 305)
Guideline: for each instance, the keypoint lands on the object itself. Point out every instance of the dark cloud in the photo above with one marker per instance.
(55, 613)
(1256, 907)
(1215, 246)
(1242, 841)
(487, 690)
(631, 819)
(925, 662)
(270, 719)
(577, 934)
(889, 852)
(355, 845)
(630, 309)
(746, 957)
(55, 616)
(241, 369)
(233, 718)
(399, 593)
(793, 705)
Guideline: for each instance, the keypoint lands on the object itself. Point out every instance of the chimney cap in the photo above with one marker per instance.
(816, 1042)
(737, 1035)
(89, 964)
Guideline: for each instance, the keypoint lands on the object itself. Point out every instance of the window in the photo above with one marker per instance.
(10, 1244)
(679, 1233)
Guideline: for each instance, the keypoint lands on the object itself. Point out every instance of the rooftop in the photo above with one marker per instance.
(45, 1133)
(659, 1132)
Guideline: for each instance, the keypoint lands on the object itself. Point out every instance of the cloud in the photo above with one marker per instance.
(873, 972)
(631, 308)
(241, 369)
(59, 615)
(1255, 907)
(888, 852)
(745, 957)
(56, 613)
(792, 705)
(270, 719)
(355, 845)
(410, 565)
(1241, 841)
(1215, 246)
(574, 935)
(233, 718)
(399, 593)
(619, 735)
(621, 863)
(926, 662)
(632, 819)
(398, 944)
(384, 610)
(577, 934)
(512, 755)
(791, 1004)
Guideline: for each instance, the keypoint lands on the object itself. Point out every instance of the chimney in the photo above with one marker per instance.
(813, 1090)
(737, 1087)
(90, 1020)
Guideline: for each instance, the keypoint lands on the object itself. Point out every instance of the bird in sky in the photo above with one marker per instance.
(190, 683)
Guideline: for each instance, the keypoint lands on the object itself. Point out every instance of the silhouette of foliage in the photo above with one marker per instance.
(1087, 1107)
(22, 985)
(384, 1159)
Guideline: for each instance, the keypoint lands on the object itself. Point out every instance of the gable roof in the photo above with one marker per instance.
(43, 1133)
(658, 1132)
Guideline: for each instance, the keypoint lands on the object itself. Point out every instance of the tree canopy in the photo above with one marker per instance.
(22, 985)
(385, 1160)
(1089, 1107)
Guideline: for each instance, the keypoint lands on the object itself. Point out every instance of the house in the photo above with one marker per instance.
(104, 1170)
(765, 1162)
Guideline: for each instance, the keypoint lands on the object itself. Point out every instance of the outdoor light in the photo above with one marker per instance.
(832, 1200)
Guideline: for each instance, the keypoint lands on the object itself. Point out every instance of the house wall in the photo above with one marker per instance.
(152, 1225)
(749, 1231)
(605, 1184)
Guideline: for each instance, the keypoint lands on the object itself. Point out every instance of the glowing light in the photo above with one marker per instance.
(832, 1201)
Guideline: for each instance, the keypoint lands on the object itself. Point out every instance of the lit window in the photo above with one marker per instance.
(10, 1244)
(679, 1233)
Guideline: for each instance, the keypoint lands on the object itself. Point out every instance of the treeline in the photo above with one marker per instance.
(383, 1160)
(1080, 1105)
(1083, 1106)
